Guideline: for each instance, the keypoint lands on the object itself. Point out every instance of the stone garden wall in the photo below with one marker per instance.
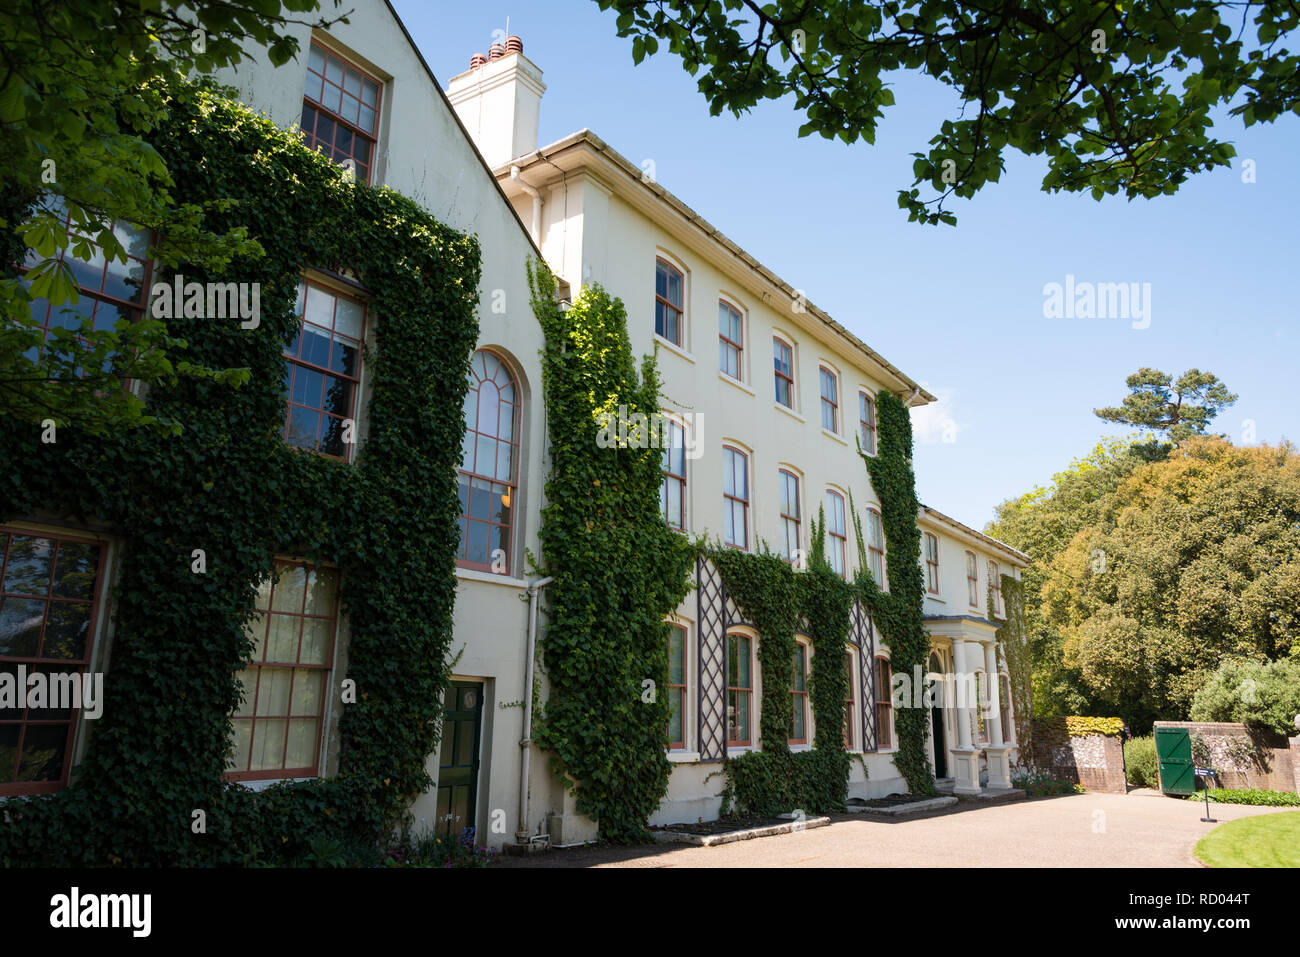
(1087, 751)
(1243, 757)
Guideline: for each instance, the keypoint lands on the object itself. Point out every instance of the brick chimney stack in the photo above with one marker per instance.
(498, 99)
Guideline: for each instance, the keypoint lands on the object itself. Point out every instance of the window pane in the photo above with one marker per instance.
(42, 757)
(28, 568)
(20, 626)
(67, 631)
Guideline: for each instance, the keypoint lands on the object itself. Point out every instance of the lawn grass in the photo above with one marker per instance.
(1269, 840)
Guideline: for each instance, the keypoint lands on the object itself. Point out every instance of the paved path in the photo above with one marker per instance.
(1140, 829)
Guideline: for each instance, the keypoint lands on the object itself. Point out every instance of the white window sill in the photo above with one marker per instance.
(474, 575)
(829, 434)
(790, 412)
(738, 749)
(931, 596)
(736, 382)
(796, 748)
(684, 757)
(674, 348)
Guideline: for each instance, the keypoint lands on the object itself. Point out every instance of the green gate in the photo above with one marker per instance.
(1174, 754)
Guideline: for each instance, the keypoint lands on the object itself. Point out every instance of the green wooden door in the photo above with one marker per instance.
(458, 764)
(1174, 754)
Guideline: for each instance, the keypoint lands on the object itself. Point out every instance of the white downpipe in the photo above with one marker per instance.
(525, 741)
(537, 203)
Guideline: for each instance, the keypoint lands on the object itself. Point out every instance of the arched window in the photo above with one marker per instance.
(876, 547)
(740, 690)
(837, 534)
(790, 516)
(735, 498)
(799, 695)
(489, 463)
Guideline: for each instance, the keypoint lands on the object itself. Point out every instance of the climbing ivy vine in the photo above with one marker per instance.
(1013, 638)
(898, 612)
(229, 484)
(619, 569)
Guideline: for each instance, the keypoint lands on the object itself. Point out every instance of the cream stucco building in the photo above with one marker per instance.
(774, 399)
(772, 396)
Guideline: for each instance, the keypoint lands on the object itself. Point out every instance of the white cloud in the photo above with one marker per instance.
(935, 423)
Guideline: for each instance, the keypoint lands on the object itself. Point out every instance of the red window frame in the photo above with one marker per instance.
(848, 702)
(737, 692)
(784, 365)
(260, 666)
(674, 457)
(665, 307)
(932, 563)
(995, 583)
(96, 299)
(867, 419)
(677, 691)
(799, 695)
(837, 529)
(884, 704)
(790, 514)
(728, 347)
(876, 546)
(731, 498)
(338, 140)
(51, 600)
(972, 580)
(477, 479)
(298, 369)
(830, 403)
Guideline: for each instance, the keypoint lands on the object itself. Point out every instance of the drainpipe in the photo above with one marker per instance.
(537, 203)
(525, 742)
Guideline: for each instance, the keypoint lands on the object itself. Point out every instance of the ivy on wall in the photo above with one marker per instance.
(230, 485)
(819, 603)
(619, 569)
(1013, 638)
(899, 612)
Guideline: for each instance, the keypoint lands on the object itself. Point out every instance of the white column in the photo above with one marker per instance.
(966, 758)
(993, 694)
(998, 753)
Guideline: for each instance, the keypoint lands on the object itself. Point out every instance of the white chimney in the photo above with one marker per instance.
(498, 99)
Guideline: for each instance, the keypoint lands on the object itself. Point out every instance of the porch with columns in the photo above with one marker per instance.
(960, 647)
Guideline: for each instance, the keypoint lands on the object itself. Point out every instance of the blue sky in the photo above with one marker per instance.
(958, 309)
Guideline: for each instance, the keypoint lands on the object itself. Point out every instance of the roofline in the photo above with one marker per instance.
(937, 517)
(587, 137)
(463, 131)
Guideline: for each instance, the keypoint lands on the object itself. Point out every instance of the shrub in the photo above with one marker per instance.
(1255, 796)
(1263, 695)
(1140, 764)
(1038, 783)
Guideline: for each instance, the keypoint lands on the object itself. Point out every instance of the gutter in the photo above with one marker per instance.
(537, 203)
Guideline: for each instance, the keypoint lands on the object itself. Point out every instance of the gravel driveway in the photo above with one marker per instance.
(1140, 829)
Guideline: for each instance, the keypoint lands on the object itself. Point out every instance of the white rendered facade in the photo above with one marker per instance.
(599, 219)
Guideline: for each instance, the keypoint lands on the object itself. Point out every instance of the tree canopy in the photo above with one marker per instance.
(1265, 695)
(1177, 408)
(84, 82)
(1117, 97)
(1168, 569)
